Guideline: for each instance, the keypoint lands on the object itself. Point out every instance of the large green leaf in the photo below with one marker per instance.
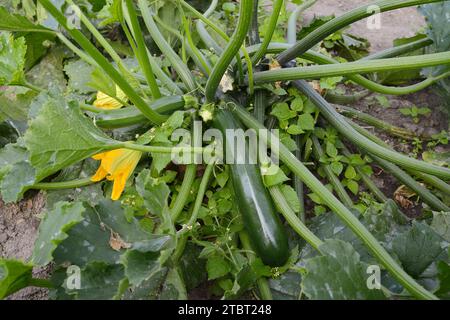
(192, 267)
(79, 73)
(15, 22)
(444, 280)
(164, 284)
(16, 174)
(104, 235)
(14, 275)
(53, 229)
(155, 192)
(61, 135)
(286, 286)
(338, 274)
(441, 224)
(99, 281)
(14, 103)
(12, 58)
(417, 248)
(88, 241)
(140, 266)
(173, 287)
(48, 73)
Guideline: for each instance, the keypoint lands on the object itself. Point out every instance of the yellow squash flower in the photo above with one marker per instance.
(116, 165)
(106, 102)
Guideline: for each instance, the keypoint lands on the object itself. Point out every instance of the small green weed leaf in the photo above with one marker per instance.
(282, 111)
(306, 122)
(217, 267)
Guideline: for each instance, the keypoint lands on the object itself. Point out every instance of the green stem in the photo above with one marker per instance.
(399, 50)
(85, 57)
(350, 68)
(359, 79)
(336, 206)
(142, 54)
(293, 18)
(412, 184)
(182, 70)
(199, 57)
(346, 19)
(334, 180)
(263, 284)
(339, 122)
(298, 184)
(90, 108)
(253, 33)
(377, 123)
(200, 195)
(124, 85)
(63, 184)
(26, 84)
(276, 8)
(430, 179)
(41, 283)
(236, 41)
(97, 35)
(185, 190)
(290, 216)
(191, 48)
(343, 99)
(159, 73)
(215, 28)
(204, 35)
(159, 149)
(433, 182)
(260, 105)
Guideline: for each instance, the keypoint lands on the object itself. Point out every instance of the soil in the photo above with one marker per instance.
(18, 229)
(19, 222)
(405, 22)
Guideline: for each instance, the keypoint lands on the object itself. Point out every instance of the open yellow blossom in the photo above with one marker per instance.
(116, 165)
(106, 102)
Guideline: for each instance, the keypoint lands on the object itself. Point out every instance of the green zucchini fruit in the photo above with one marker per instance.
(261, 221)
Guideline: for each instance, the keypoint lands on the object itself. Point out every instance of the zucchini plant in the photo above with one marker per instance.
(125, 115)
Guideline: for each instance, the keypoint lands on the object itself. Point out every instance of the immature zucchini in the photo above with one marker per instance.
(125, 117)
(261, 221)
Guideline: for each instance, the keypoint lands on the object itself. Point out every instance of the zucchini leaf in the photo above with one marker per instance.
(53, 229)
(61, 135)
(12, 59)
